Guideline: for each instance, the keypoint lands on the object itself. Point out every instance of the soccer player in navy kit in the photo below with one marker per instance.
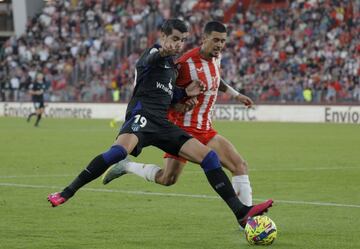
(36, 90)
(146, 124)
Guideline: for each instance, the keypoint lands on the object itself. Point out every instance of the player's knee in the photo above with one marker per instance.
(241, 168)
(115, 154)
(169, 181)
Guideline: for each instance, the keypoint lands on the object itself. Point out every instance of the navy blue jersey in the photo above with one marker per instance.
(36, 86)
(154, 84)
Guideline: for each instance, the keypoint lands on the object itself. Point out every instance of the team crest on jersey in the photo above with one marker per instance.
(135, 127)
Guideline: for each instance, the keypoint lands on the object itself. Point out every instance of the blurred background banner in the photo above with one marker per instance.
(278, 51)
(224, 112)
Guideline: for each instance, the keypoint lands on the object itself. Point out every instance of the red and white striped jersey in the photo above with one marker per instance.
(191, 67)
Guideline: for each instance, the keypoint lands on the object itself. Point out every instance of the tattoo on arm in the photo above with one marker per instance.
(225, 87)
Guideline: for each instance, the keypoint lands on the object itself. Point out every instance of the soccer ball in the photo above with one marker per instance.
(260, 230)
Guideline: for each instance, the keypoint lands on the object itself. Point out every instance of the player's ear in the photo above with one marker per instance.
(162, 36)
(185, 36)
(204, 37)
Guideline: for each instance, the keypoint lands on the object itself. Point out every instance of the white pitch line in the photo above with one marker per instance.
(289, 169)
(192, 171)
(329, 204)
(34, 176)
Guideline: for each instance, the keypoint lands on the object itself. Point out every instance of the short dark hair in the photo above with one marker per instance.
(171, 24)
(214, 26)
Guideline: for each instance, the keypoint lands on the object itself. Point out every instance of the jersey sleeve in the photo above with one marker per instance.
(184, 77)
(152, 56)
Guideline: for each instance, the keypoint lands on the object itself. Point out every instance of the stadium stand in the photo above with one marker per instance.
(278, 51)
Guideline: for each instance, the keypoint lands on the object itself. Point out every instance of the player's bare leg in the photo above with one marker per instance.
(167, 176)
(171, 172)
(229, 158)
(30, 116)
(128, 141)
(39, 113)
(196, 152)
(232, 160)
(150, 172)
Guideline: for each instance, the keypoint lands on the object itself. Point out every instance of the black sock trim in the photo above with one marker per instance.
(95, 169)
(222, 185)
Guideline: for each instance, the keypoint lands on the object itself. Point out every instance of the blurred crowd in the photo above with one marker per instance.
(86, 50)
(308, 52)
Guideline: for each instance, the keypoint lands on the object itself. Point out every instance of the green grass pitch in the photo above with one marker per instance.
(312, 171)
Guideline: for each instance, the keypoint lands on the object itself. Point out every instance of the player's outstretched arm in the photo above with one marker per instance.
(226, 88)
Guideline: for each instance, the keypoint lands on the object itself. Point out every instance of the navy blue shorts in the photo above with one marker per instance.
(38, 104)
(160, 133)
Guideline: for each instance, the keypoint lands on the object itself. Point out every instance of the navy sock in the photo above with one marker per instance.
(38, 119)
(95, 169)
(30, 115)
(221, 184)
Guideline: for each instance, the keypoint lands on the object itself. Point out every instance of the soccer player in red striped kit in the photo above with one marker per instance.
(201, 63)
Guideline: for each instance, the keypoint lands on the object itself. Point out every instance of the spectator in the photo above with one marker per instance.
(275, 56)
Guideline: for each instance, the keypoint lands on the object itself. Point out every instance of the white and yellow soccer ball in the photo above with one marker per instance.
(260, 230)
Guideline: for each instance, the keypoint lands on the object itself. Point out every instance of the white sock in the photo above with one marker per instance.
(146, 171)
(241, 185)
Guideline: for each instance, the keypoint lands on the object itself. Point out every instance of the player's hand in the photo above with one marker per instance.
(195, 88)
(168, 49)
(245, 100)
(187, 105)
(190, 104)
(179, 107)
